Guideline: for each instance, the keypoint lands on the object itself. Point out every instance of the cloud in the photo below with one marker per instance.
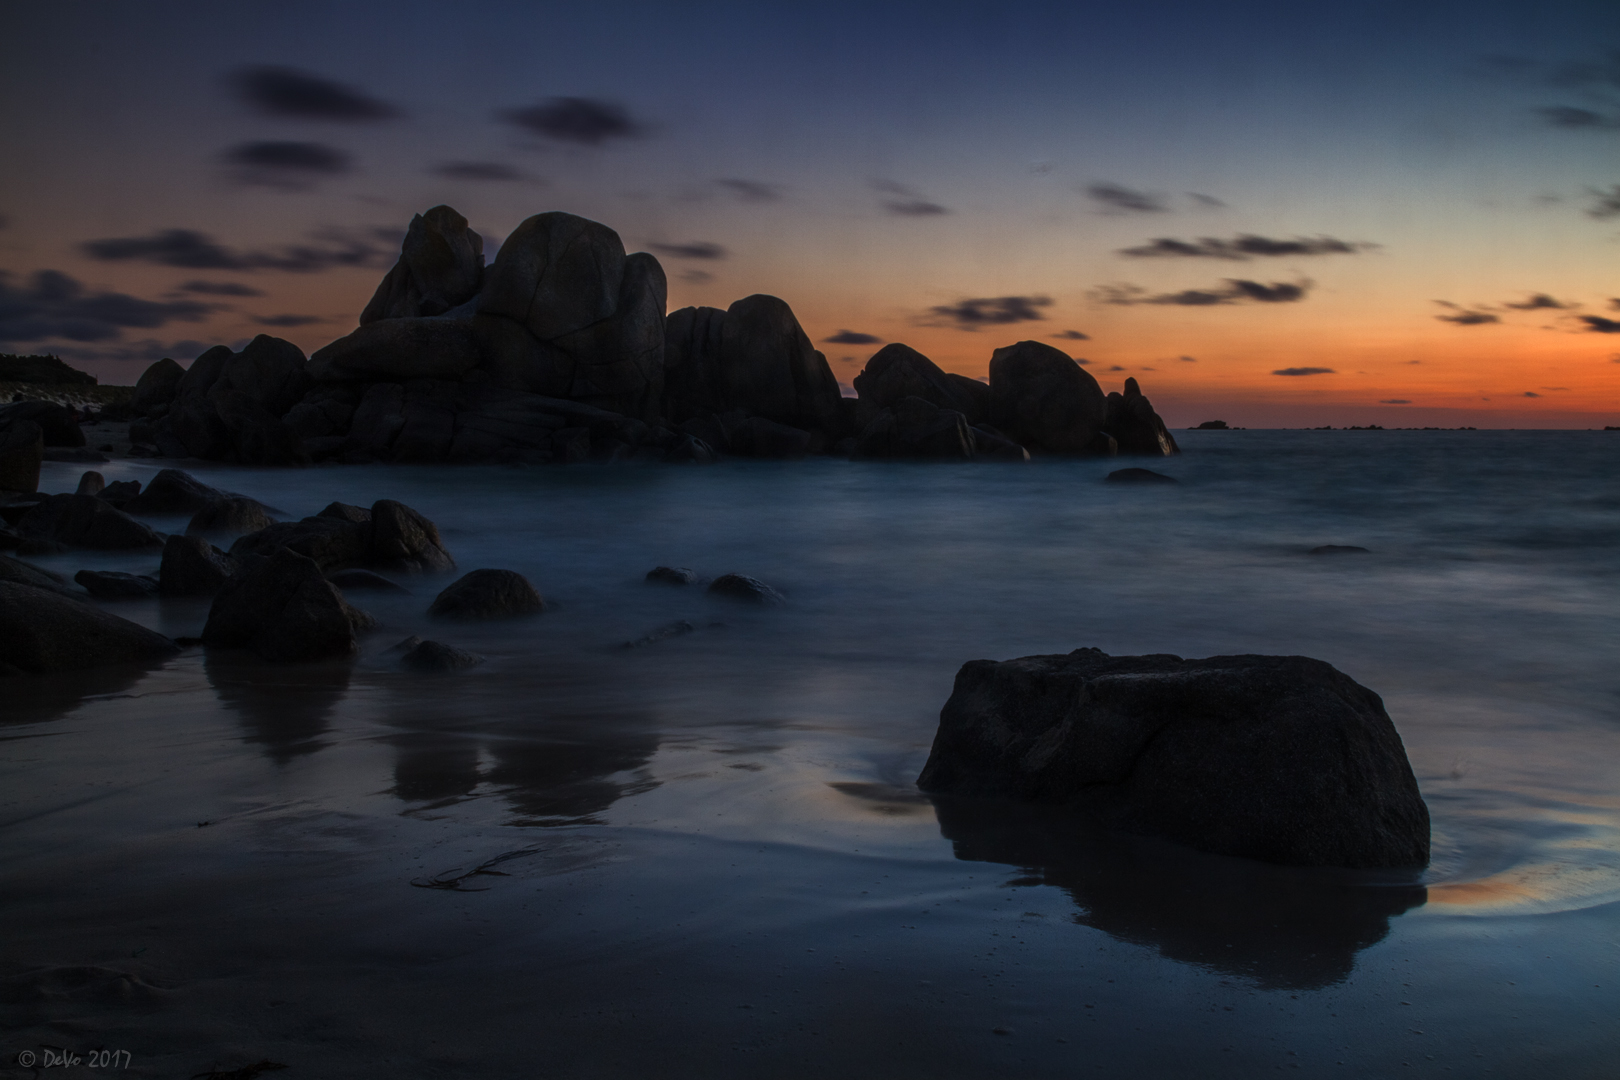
(1188, 359)
(143, 351)
(288, 166)
(1462, 316)
(992, 311)
(697, 249)
(906, 202)
(1206, 200)
(1567, 116)
(191, 250)
(1235, 291)
(1538, 302)
(288, 92)
(696, 277)
(1395, 401)
(219, 288)
(287, 320)
(1531, 393)
(489, 172)
(1115, 199)
(586, 121)
(54, 305)
(1614, 303)
(1597, 324)
(752, 190)
(1605, 204)
(1119, 367)
(1072, 335)
(1243, 247)
(1305, 371)
(852, 337)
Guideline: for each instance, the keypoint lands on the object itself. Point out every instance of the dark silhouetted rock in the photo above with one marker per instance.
(1043, 400)
(119, 492)
(42, 371)
(85, 521)
(432, 656)
(671, 575)
(59, 424)
(690, 451)
(1338, 549)
(359, 515)
(762, 438)
(771, 370)
(693, 384)
(1212, 425)
(230, 517)
(915, 428)
(679, 628)
(1139, 476)
(398, 350)
(22, 448)
(571, 445)
(992, 445)
(192, 566)
(283, 609)
(349, 580)
(555, 274)
(91, 483)
(75, 454)
(228, 406)
(897, 371)
(155, 389)
(113, 585)
(747, 589)
(487, 594)
(404, 540)
(174, 492)
(332, 543)
(325, 412)
(20, 573)
(1136, 428)
(441, 266)
(1278, 758)
(42, 631)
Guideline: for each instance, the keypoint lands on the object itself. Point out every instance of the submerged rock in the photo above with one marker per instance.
(487, 594)
(671, 575)
(114, 585)
(42, 630)
(283, 609)
(231, 516)
(364, 579)
(1139, 476)
(429, 656)
(750, 590)
(1278, 758)
(85, 521)
(175, 492)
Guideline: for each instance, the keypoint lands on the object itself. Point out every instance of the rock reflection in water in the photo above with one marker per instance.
(31, 699)
(1283, 927)
(285, 708)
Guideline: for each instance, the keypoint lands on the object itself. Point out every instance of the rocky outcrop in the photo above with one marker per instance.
(192, 566)
(115, 585)
(58, 424)
(84, 521)
(487, 594)
(229, 517)
(1136, 428)
(42, 630)
(173, 492)
(22, 450)
(752, 360)
(433, 656)
(1043, 400)
(1278, 758)
(20, 573)
(404, 540)
(228, 406)
(441, 266)
(283, 609)
(915, 428)
(747, 589)
(155, 389)
(897, 371)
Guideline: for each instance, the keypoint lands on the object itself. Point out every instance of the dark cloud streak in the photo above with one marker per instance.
(1117, 199)
(852, 337)
(1235, 291)
(1243, 247)
(992, 311)
(288, 92)
(584, 121)
(54, 305)
(697, 249)
(192, 250)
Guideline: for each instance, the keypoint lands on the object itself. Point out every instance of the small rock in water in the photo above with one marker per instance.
(671, 575)
(230, 516)
(434, 656)
(91, 483)
(487, 594)
(281, 607)
(364, 579)
(1140, 476)
(112, 585)
(1338, 549)
(407, 645)
(663, 633)
(742, 587)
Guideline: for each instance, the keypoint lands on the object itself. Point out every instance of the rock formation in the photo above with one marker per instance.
(487, 594)
(42, 630)
(1278, 758)
(1135, 426)
(283, 609)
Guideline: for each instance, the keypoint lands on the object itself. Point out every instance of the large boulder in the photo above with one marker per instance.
(283, 609)
(898, 371)
(22, 450)
(58, 424)
(556, 274)
(1135, 426)
(390, 535)
(402, 539)
(487, 594)
(1040, 398)
(85, 521)
(172, 491)
(20, 573)
(228, 406)
(331, 543)
(441, 266)
(396, 350)
(915, 428)
(42, 630)
(156, 387)
(1277, 758)
(232, 517)
(116, 585)
(192, 566)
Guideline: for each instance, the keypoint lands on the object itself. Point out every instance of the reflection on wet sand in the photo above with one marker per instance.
(31, 699)
(1282, 927)
(285, 708)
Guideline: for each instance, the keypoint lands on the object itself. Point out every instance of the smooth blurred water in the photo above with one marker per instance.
(780, 745)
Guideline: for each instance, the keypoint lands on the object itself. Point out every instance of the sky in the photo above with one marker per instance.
(1276, 214)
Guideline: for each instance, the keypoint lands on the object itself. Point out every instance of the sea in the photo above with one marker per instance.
(659, 833)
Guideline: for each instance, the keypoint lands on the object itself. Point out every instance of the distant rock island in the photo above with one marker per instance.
(561, 351)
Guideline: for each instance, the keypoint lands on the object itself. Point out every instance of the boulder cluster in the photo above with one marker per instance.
(560, 351)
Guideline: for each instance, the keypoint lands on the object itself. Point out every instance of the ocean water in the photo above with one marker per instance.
(705, 855)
